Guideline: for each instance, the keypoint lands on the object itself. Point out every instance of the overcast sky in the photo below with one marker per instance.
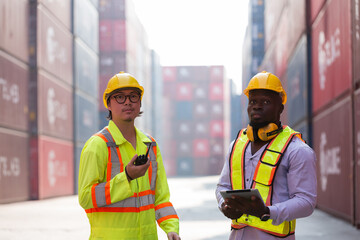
(196, 32)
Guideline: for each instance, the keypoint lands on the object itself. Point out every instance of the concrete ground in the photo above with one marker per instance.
(193, 198)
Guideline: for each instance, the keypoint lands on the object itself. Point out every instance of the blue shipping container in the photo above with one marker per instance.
(184, 110)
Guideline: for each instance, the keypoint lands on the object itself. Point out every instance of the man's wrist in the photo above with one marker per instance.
(266, 215)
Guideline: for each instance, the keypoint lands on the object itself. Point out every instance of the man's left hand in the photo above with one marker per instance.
(173, 236)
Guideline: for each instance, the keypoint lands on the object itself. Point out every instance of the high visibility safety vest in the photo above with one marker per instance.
(263, 178)
(134, 216)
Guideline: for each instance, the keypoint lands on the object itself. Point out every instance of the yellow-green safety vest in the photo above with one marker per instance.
(263, 178)
(138, 210)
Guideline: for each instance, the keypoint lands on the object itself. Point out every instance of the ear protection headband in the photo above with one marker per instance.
(265, 133)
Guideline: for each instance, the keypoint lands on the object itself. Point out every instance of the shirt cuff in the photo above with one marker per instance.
(273, 212)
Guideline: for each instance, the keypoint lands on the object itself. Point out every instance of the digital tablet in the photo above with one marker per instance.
(245, 193)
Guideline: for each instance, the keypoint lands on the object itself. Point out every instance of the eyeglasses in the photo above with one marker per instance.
(120, 98)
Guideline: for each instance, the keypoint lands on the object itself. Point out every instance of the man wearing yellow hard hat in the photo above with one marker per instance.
(122, 182)
(269, 175)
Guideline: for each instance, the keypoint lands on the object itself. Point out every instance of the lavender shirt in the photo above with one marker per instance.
(294, 188)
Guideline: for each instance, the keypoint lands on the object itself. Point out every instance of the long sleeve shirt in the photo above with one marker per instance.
(294, 187)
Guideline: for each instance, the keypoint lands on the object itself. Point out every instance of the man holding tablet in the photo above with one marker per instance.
(269, 176)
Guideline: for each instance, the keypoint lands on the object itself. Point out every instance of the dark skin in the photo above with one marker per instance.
(264, 107)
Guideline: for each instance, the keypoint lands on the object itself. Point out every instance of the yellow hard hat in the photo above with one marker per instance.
(121, 80)
(266, 80)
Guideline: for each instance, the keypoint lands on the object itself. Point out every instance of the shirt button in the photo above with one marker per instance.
(247, 180)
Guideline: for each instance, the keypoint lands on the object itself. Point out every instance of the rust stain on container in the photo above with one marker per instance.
(332, 138)
(14, 169)
(14, 79)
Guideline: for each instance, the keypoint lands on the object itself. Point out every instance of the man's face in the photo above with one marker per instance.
(126, 111)
(264, 107)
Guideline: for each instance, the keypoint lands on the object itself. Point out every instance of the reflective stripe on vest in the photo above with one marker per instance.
(263, 178)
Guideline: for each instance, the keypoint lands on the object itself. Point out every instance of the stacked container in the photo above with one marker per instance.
(51, 99)
(124, 47)
(86, 75)
(198, 98)
(14, 83)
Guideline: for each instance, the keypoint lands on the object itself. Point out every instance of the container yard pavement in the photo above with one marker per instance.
(193, 198)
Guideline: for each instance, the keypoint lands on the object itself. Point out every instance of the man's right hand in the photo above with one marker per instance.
(135, 171)
(230, 212)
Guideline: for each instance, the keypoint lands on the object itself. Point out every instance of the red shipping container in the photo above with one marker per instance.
(357, 156)
(356, 40)
(56, 168)
(184, 91)
(14, 79)
(14, 170)
(169, 74)
(55, 111)
(217, 128)
(201, 148)
(60, 9)
(331, 54)
(332, 138)
(217, 74)
(316, 7)
(119, 35)
(105, 35)
(216, 91)
(14, 35)
(54, 46)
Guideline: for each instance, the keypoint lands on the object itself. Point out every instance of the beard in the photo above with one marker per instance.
(258, 125)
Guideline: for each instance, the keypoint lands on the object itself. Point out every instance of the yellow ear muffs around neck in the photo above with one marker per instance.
(265, 133)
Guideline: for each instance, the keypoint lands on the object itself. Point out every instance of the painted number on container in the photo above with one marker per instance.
(329, 51)
(329, 161)
(9, 167)
(9, 91)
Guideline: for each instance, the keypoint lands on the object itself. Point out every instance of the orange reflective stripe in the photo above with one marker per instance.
(162, 205)
(109, 165)
(166, 218)
(144, 193)
(107, 193)
(93, 196)
(120, 159)
(150, 172)
(120, 209)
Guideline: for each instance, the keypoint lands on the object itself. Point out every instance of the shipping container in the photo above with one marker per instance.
(284, 118)
(332, 134)
(269, 63)
(86, 69)
(110, 9)
(170, 90)
(184, 166)
(77, 154)
(217, 74)
(119, 35)
(273, 10)
(201, 110)
(315, 8)
(216, 164)
(183, 110)
(296, 23)
(281, 38)
(201, 91)
(95, 3)
(183, 148)
(112, 63)
(216, 109)
(184, 91)
(105, 36)
(54, 46)
(170, 166)
(14, 35)
(56, 167)
(86, 23)
(55, 107)
(216, 91)
(357, 156)
(201, 148)
(303, 128)
(217, 147)
(257, 38)
(201, 165)
(14, 79)
(201, 128)
(14, 170)
(297, 91)
(217, 128)
(86, 118)
(184, 74)
(184, 129)
(356, 40)
(331, 55)
(60, 9)
(169, 74)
